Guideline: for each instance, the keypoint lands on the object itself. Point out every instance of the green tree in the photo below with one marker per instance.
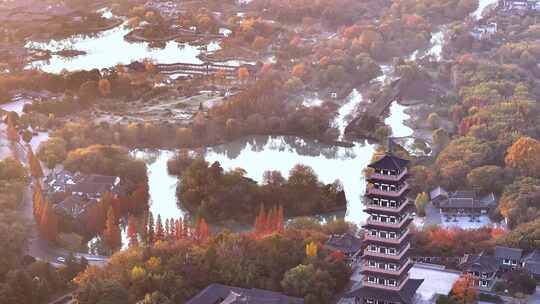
(422, 199)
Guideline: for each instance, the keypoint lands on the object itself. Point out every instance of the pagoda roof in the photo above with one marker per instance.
(404, 295)
(390, 162)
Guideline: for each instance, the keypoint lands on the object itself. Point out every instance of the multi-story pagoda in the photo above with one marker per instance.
(385, 260)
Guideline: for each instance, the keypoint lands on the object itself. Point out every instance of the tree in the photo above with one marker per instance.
(311, 250)
(464, 290)
(112, 233)
(12, 134)
(53, 151)
(434, 120)
(421, 201)
(49, 222)
(314, 285)
(487, 178)
(132, 231)
(440, 138)
(524, 156)
(298, 70)
(150, 234)
(104, 87)
(37, 204)
(160, 232)
(35, 166)
(202, 231)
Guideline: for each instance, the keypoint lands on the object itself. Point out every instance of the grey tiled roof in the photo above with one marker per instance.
(508, 253)
(390, 162)
(481, 263)
(405, 295)
(346, 243)
(222, 294)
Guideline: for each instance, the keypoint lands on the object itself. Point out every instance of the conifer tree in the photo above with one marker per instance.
(12, 133)
(160, 233)
(35, 166)
(37, 203)
(151, 231)
(49, 222)
(132, 231)
(167, 229)
(172, 229)
(179, 229)
(112, 231)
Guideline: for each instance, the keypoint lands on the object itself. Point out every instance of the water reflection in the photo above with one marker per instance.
(108, 48)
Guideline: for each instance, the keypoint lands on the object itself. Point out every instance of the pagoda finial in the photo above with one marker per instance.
(390, 146)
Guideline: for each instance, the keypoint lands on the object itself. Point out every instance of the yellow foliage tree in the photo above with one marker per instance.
(137, 273)
(311, 250)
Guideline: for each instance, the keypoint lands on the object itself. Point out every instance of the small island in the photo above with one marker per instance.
(208, 191)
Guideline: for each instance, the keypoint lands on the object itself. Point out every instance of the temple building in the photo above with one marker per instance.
(385, 261)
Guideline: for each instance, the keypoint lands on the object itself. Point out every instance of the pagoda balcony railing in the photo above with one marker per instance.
(387, 224)
(396, 272)
(385, 287)
(368, 253)
(388, 209)
(394, 193)
(369, 237)
(387, 177)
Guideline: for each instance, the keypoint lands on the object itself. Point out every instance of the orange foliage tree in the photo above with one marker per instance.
(49, 222)
(132, 231)
(464, 291)
(35, 166)
(524, 156)
(112, 231)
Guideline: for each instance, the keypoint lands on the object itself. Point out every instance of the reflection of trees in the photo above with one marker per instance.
(287, 144)
(149, 156)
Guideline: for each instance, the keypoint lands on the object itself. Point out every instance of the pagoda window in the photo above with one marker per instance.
(381, 281)
(375, 217)
(382, 234)
(369, 301)
(391, 282)
(382, 250)
(392, 251)
(383, 219)
(373, 232)
(392, 266)
(393, 203)
(371, 279)
(372, 263)
(373, 248)
(392, 220)
(384, 203)
(392, 235)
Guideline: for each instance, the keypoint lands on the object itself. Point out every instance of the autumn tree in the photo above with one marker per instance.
(149, 228)
(311, 250)
(298, 70)
(104, 87)
(464, 290)
(160, 232)
(524, 156)
(38, 203)
(202, 231)
(35, 166)
(132, 231)
(12, 134)
(421, 202)
(112, 233)
(49, 222)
